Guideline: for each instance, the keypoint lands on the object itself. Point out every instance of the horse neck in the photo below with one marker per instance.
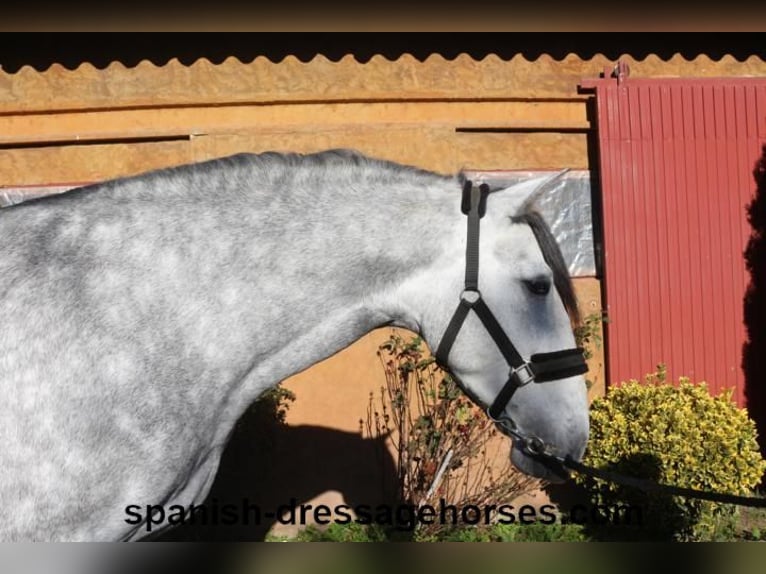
(333, 264)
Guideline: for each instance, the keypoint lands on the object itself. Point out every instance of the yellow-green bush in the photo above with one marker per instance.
(678, 435)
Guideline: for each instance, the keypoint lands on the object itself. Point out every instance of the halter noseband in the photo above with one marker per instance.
(539, 368)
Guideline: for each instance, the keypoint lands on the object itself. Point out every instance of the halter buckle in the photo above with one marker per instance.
(523, 374)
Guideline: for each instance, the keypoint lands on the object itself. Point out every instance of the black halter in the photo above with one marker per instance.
(540, 368)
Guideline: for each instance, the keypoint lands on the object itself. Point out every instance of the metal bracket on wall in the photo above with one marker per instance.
(621, 71)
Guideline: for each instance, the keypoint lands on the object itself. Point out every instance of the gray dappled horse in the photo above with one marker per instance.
(140, 317)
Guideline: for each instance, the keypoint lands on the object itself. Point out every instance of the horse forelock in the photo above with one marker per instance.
(553, 258)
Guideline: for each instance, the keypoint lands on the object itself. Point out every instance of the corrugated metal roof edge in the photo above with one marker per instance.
(380, 58)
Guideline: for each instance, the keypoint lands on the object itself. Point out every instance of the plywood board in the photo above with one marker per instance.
(77, 164)
(173, 121)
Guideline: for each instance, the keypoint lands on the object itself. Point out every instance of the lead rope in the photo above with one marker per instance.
(538, 450)
(650, 486)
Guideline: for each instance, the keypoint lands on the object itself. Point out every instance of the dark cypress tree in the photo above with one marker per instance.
(754, 352)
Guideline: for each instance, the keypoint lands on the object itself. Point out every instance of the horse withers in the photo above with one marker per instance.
(140, 317)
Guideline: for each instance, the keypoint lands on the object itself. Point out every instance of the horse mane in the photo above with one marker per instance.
(344, 163)
(331, 163)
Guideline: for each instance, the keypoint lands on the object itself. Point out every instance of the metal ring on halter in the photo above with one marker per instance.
(494, 420)
(506, 426)
(531, 444)
(470, 296)
(534, 446)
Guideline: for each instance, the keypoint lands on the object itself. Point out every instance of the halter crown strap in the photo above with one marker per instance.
(541, 367)
(478, 207)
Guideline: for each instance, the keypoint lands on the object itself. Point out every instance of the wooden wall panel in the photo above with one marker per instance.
(76, 164)
(518, 150)
(290, 80)
(174, 121)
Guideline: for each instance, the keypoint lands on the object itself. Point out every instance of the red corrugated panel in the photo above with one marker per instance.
(676, 177)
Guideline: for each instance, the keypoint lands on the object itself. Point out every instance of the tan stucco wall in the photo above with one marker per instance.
(405, 110)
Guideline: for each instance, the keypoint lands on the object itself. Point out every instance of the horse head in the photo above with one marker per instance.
(515, 353)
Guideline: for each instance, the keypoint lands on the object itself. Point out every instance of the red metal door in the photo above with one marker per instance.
(676, 163)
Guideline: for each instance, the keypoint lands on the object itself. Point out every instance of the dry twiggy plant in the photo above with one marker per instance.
(443, 442)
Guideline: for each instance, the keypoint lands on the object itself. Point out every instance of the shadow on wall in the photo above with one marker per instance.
(268, 463)
(754, 351)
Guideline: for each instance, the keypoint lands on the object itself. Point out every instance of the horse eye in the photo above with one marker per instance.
(539, 286)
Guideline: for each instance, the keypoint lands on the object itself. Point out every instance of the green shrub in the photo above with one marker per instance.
(535, 532)
(352, 532)
(457, 534)
(539, 532)
(678, 435)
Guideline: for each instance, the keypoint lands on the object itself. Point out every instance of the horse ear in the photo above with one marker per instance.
(522, 196)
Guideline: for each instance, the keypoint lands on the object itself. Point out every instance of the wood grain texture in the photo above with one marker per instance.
(86, 164)
(173, 121)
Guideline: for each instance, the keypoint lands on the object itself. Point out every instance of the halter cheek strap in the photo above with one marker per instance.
(540, 367)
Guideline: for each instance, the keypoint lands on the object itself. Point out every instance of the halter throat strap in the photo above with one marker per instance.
(540, 367)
